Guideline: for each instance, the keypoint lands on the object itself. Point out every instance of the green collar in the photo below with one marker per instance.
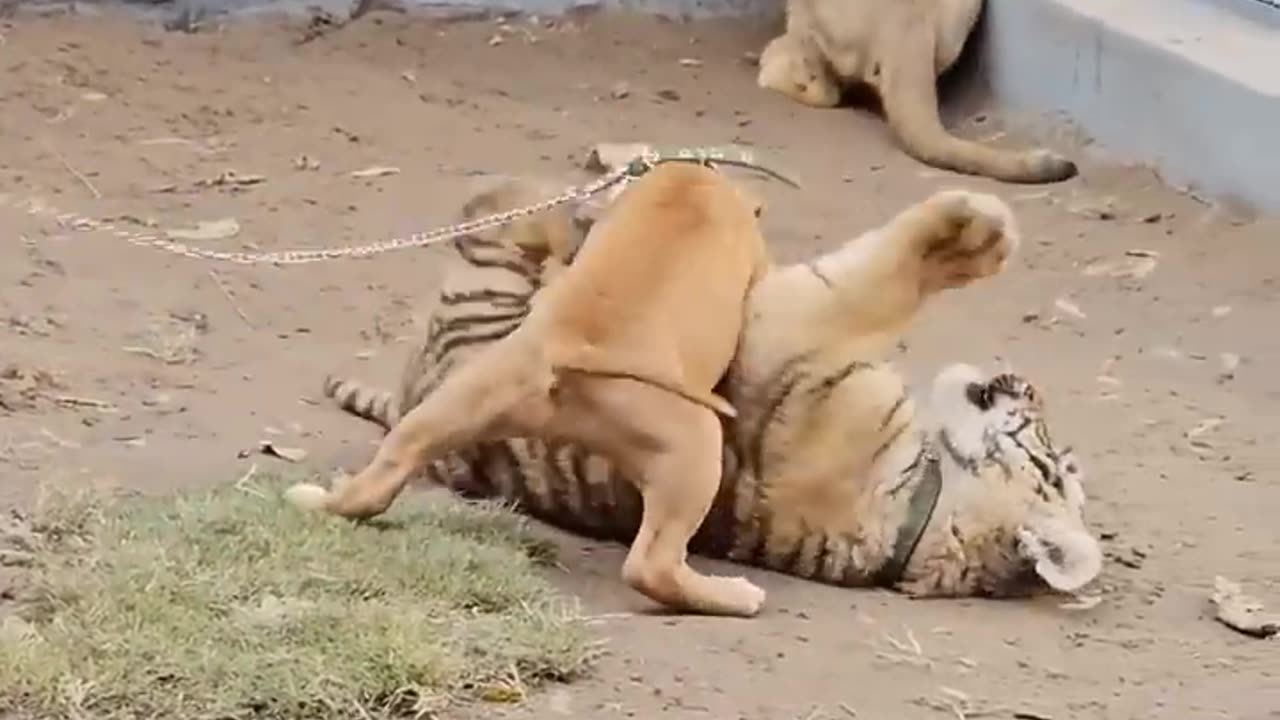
(708, 157)
(924, 499)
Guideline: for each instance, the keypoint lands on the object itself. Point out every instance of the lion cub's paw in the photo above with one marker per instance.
(975, 235)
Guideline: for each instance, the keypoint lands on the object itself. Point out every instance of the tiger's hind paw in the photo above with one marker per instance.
(973, 236)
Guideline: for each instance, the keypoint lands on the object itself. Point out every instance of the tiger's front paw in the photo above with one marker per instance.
(973, 235)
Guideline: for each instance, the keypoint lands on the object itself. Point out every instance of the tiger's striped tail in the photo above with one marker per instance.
(372, 404)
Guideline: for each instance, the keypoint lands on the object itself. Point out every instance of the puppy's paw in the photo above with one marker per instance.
(309, 497)
(744, 598)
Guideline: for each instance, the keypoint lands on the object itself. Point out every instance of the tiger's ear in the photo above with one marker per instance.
(1066, 556)
(610, 156)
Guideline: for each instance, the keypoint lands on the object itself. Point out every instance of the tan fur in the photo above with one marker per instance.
(897, 48)
(831, 442)
(822, 459)
(638, 301)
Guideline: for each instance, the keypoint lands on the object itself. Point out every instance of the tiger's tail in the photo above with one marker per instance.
(372, 404)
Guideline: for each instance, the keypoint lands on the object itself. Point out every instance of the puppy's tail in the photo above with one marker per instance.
(709, 400)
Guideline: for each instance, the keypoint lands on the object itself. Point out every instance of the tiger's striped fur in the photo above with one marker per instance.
(828, 446)
(490, 280)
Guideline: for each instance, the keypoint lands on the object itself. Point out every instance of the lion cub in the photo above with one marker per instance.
(898, 48)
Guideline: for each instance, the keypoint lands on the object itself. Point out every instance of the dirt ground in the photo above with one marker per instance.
(156, 372)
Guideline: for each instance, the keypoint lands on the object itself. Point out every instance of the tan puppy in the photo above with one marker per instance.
(620, 354)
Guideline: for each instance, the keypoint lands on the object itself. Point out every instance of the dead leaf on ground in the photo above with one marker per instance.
(206, 230)
(293, 455)
(375, 172)
(1240, 612)
(1135, 264)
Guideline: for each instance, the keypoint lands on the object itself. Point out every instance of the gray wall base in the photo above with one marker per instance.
(1189, 87)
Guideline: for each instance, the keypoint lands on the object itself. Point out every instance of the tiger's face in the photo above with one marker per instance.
(1013, 500)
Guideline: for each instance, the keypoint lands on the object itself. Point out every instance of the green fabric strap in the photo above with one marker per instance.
(924, 499)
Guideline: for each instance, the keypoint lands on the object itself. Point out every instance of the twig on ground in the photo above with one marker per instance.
(144, 351)
(73, 401)
(60, 442)
(593, 619)
(226, 292)
(905, 659)
(79, 175)
(910, 648)
(242, 483)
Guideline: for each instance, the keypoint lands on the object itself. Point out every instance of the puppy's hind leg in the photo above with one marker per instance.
(502, 391)
(679, 481)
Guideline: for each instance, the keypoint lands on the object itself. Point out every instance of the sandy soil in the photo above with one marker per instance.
(172, 370)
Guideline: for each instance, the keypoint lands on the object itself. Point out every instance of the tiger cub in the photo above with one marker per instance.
(832, 471)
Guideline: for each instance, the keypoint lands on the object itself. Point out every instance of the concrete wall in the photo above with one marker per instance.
(1263, 11)
(1191, 87)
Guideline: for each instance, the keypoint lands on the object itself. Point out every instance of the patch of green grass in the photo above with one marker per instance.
(232, 604)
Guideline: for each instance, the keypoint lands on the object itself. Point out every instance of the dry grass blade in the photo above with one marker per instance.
(231, 604)
(374, 172)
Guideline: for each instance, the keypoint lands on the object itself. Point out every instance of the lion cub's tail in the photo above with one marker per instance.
(909, 94)
(372, 404)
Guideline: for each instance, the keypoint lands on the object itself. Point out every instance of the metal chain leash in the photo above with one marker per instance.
(646, 160)
(419, 239)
